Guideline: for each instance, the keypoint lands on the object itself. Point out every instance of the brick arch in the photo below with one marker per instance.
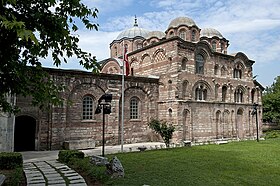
(75, 100)
(204, 83)
(184, 88)
(159, 55)
(224, 71)
(204, 49)
(218, 124)
(146, 58)
(227, 125)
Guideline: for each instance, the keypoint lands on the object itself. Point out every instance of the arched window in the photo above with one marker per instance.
(87, 108)
(193, 35)
(216, 68)
(184, 89)
(126, 47)
(182, 34)
(253, 96)
(201, 93)
(116, 51)
(134, 111)
(139, 45)
(169, 88)
(222, 47)
(199, 64)
(170, 113)
(184, 64)
(237, 72)
(223, 71)
(214, 46)
(238, 95)
(224, 93)
(171, 34)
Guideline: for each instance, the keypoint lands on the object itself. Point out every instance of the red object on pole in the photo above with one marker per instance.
(126, 62)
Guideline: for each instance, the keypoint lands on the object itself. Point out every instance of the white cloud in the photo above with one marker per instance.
(108, 6)
(251, 26)
(97, 43)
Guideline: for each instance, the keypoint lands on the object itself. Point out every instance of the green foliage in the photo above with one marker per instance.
(163, 129)
(14, 177)
(10, 160)
(35, 29)
(93, 172)
(272, 134)
(271, 102)
(65, 156)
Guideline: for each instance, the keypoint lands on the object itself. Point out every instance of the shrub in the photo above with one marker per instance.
(163, 129)
(10, 160)
(272, 134)
(64, 156)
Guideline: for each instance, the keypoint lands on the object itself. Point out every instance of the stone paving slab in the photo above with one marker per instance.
(51, 172)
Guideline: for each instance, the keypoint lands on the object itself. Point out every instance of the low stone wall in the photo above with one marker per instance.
(79, 144)
(270, 126)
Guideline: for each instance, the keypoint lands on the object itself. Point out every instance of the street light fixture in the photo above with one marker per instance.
(255, 111)
(104, 106)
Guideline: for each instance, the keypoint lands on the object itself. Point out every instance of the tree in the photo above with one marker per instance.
(163, 129)
(34, 29)
(271, 102)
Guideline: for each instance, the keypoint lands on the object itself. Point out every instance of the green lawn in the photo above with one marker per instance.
(236, 163)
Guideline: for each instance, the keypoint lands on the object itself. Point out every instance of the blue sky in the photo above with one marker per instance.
(251, 26)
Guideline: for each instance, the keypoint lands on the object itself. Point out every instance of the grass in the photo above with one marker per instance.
(236, 163)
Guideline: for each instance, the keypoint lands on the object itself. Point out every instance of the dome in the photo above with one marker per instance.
(210, 32)
(133, 32)
(157, 34)
(181, 21)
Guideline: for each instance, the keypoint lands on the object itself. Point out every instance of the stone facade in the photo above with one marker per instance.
(183, 75)
(7, 123)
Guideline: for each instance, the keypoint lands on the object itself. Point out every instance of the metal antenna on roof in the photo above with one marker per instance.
(135, 21)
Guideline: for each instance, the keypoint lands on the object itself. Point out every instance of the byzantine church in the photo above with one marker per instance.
(183, 75)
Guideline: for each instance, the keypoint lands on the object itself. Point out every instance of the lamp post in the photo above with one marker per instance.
(255, 111)
(104, 105)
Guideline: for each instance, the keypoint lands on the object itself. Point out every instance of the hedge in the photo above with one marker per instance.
(10, 160)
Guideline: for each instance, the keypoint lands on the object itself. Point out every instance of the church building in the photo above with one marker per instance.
(183, 75)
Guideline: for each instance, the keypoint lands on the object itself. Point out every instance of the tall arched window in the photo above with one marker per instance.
(216, 68)
(126, 47)
(182, 34)
(184, 89)
(224, 93)
(223, 71)
(199, 64)
(171, 34)
(184, 64)
(214, 46)
(139, 45)
(116, 51)
(87, 108)
(222, 47)
(238, 95)
(237, 72)
(193, 35)
(134, 110)
(169, 88)
(201, 93)
(253, 96)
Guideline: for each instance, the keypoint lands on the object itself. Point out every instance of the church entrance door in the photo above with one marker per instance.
(24, 136)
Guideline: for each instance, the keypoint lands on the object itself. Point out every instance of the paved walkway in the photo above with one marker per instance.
(41, 167)
(51, 172)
